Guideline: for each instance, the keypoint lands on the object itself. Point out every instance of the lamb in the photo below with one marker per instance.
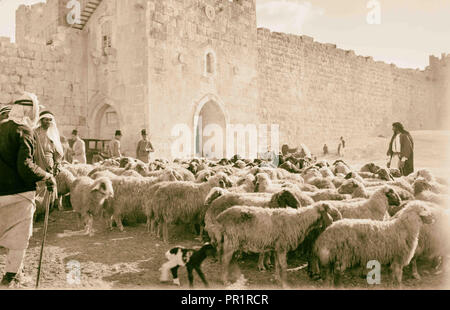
(87, 198)
(341, 167)
(191, 258)
(255, 229)
(351, 242)
(374, 208)
(184, 202)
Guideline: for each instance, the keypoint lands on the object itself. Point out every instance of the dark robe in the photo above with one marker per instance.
(407, 150)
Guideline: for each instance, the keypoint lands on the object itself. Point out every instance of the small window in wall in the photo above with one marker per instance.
(106, 36)
(210, 63)
(111, 118)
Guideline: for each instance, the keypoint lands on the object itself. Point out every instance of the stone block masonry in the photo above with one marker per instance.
(317, 92)
(42, 69)
(156, 64)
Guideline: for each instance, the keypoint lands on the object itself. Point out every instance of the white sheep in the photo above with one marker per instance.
(255, 229)
(328, 194)
(133, 196)
(423, 190)
(434, 239)
(341, 167)
(219, 200)
(358, 190)
(87, 197)
(354, 242)
(184, 202)
(310, 173)
(375, 207)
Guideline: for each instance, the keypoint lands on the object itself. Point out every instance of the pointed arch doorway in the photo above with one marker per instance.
(107, 121)
(210, 129)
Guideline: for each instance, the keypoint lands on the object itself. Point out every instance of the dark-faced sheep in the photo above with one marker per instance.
(282, 199)
(255, 229)
(355, 242)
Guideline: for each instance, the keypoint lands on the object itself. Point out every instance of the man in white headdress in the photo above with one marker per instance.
(4, 113)
(18, 176)
(49, 152)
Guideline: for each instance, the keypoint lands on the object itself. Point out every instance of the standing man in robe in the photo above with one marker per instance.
(144, 148)
(79, 148)
(49, 152)
(401, 150)
(18, 176)
(114, 146)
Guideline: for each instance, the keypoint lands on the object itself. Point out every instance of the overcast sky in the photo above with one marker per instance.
(409, 30)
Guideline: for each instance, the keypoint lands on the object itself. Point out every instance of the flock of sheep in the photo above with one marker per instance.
(333, 216)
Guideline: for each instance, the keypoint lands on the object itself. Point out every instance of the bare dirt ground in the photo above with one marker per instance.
(130, 260)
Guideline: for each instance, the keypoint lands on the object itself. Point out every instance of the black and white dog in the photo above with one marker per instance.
(191, 258)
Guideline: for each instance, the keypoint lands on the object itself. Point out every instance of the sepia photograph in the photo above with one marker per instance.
(224, 145)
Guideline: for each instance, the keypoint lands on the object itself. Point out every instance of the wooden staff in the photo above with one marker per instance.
(46, 202)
